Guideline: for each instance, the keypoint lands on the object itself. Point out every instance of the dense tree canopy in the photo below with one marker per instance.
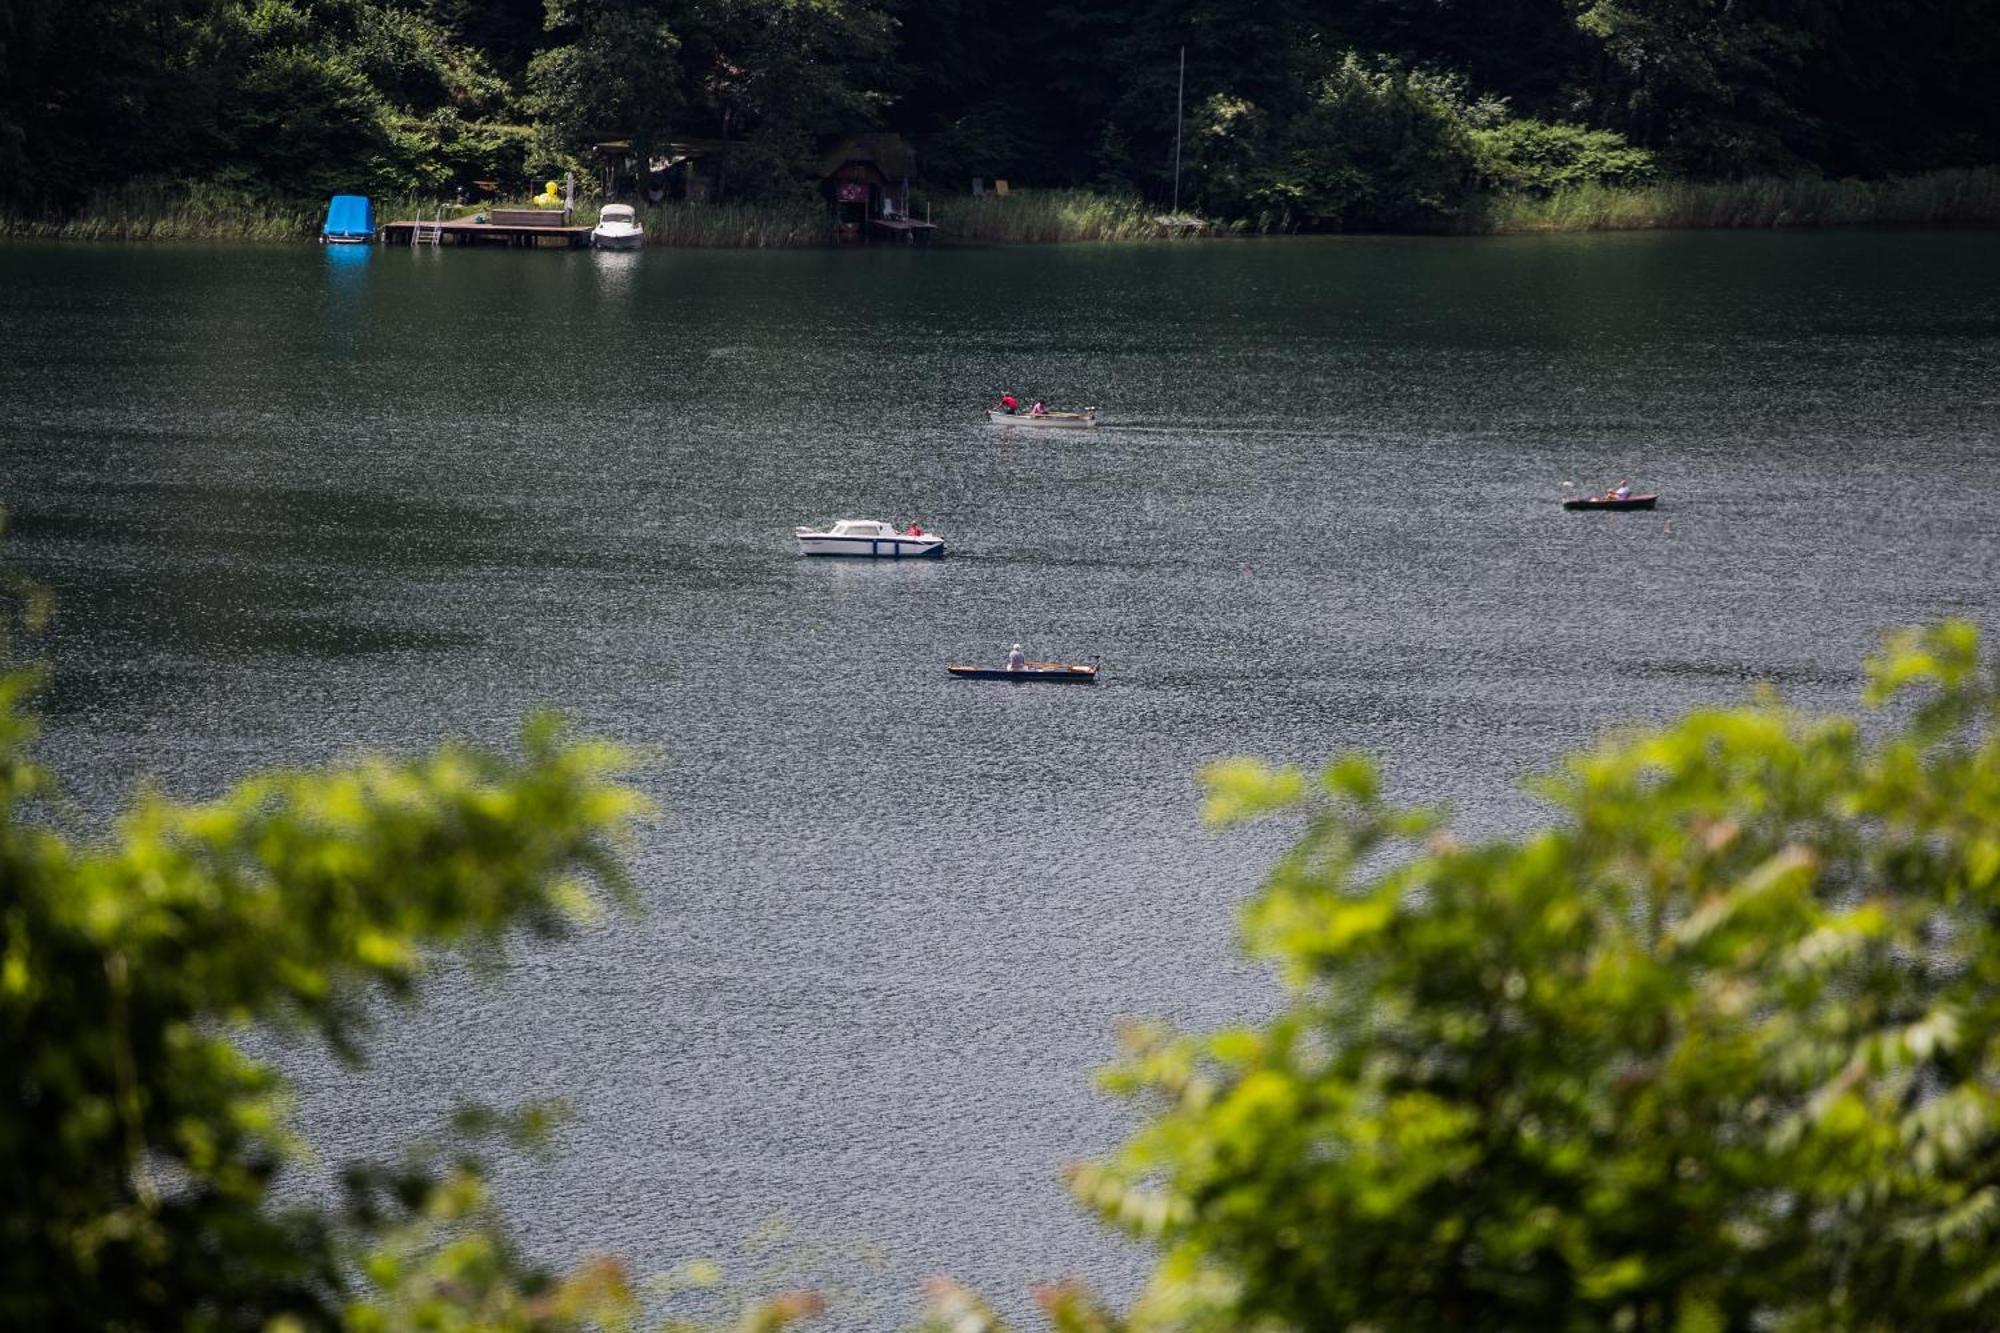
(422, 95)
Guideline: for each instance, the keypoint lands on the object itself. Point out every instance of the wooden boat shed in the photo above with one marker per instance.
(678, 169)
(866, 179)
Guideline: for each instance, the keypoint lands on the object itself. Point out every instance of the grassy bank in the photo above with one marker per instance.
(172, 212)
(733, 226)
(163, 212)
(169, 213)
(209, 213)
(1040, 216)
(1938, 198)
(1935, 198)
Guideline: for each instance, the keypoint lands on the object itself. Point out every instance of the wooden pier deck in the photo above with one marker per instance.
(908, 230)
(464, 231)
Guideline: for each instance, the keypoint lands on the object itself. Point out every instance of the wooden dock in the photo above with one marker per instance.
(523, 229)
(464, 231)
(907, 230)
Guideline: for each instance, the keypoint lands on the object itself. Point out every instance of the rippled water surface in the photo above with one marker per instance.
(295, 503)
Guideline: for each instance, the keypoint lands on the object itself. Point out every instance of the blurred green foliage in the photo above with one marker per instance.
(139, 1143)
(1719, 1050)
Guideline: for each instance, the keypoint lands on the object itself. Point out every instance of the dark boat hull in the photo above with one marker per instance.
(1076, 675)
(1630, 502)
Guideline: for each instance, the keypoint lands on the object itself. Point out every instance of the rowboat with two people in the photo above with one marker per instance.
(1009, 412)
(1074, 420)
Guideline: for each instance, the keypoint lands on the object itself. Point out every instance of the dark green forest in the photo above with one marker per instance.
(1299, 113)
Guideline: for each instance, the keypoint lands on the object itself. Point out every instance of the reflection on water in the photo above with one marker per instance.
(617, 270)
(345, 330)
(347, 263)
(295, 502)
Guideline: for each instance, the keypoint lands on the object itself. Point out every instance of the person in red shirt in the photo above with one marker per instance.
(1009, 403)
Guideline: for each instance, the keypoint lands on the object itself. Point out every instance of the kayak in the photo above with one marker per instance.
(1610, 502)
(1083, 675)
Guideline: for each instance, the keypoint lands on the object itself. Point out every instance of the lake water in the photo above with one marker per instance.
(297, 502)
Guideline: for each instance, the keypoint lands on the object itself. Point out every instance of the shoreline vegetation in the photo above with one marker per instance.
(1306, 116)
(160, 212)
(1935, 198)
(1040, 217)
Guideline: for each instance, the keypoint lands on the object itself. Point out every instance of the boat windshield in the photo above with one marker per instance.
(616, 213)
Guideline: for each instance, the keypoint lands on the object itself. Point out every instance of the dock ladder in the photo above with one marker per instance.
(428, 233)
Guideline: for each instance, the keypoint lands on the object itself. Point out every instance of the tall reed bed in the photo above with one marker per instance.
(1045, 216)
(789, 226)
(164, 212)
(182, 212)
(173, 211)
(155, 211)
(1934, 198)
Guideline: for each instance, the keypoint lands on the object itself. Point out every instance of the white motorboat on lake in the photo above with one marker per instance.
(1072, 420)
(617, 229)
(866, 537)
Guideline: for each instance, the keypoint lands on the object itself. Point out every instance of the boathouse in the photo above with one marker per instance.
(679, 169)
(866, 180)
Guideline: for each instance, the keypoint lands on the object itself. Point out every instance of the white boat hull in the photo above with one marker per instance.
(884, 548)
(1049, 421)
(617, 240)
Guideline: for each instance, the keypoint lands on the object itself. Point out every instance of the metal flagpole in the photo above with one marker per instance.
(1180, 94)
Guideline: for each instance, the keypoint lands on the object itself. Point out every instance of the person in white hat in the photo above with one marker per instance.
(1015, 659)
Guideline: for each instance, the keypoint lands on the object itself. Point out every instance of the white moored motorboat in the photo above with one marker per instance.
(1073, 420)
(617, 229)
(864, 536)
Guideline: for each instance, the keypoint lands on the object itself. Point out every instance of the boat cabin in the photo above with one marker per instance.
(868, 537)
(617, 213)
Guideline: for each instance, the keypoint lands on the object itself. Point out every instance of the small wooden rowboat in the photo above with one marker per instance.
(1072, 420)
(1611, 502)
(1082, 675)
